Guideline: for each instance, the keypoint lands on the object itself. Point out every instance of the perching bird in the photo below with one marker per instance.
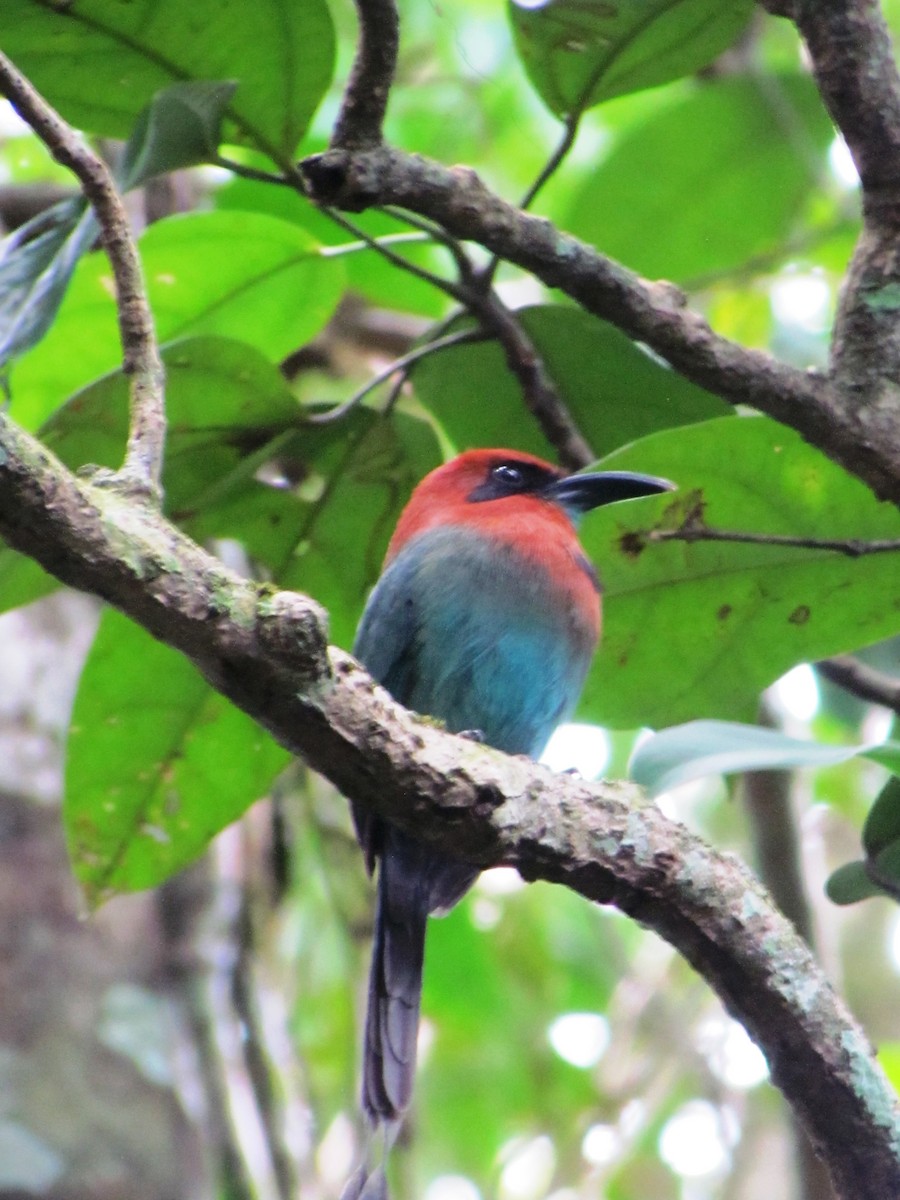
(486, 616)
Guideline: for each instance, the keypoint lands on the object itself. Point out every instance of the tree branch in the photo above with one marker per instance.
(267, 652)
(853, 62)
(401, 364)
(851, 547)
(654, 313)
(142, 468)
(538, 390)
(366, 95)
(861, 680)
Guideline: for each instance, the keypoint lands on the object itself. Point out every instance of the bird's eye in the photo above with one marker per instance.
(508, 475)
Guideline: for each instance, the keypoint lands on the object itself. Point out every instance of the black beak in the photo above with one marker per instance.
(580, 493)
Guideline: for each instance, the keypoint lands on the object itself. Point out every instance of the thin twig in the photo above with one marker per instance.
(142, 468)
(464, 264)
(245, 172)
(852, 547)
(538, 389)
(861, 680)
(365, 98)
(397, 260)
(771, 811)
(399, 364)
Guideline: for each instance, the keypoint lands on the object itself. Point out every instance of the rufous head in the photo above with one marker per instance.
(497, 488)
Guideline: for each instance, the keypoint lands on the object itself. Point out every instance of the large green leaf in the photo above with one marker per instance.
(224, 401)
(100, 61)
(328, 536)
(710, 181)
(686, 752)
(614, 391)
(579, 52)
(275, 294)
(368, 273)
(157, 763)
(698, 630)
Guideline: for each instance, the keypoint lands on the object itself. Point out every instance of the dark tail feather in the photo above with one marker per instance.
(395, 990)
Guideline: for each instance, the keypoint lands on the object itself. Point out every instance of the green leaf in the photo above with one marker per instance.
(613, 389)
(99, 62)
(698, 630)
(276, 294)
(887, 754)
(685, 752)
(882, 825)
(733, 160)
(579, 52)
(850, 884)
(180, 127)
(22, 580)
(368, 273)
(886, 869)
(225, 403)
(36, 264)
(157, 763)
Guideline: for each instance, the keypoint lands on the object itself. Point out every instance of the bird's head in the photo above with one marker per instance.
(493, 487)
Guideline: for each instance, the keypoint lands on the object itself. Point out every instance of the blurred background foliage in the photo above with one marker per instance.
(566, 1053)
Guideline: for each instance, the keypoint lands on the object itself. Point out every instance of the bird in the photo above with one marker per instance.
(486, 617)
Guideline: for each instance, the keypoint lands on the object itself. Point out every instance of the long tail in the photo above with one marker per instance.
(395, 984)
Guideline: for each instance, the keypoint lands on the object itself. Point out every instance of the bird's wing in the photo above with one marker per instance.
(385, 644)
(386, 638)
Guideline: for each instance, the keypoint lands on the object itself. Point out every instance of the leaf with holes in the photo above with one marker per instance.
(698, 630)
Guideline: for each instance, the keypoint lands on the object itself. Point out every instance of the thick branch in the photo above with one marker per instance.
(366, 95)
(267, 653)
(142, 468)
(850, 48)
(654, 313)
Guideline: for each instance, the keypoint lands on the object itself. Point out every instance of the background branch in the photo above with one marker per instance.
(861, 680)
